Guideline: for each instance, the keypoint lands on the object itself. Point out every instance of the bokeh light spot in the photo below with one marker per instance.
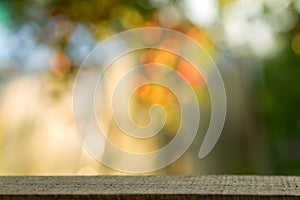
(60, 63)
(296, 43)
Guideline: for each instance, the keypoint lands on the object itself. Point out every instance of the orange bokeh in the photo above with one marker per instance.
(191, 74)
(60, 63)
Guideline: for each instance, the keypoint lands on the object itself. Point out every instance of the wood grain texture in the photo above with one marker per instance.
(150, 187)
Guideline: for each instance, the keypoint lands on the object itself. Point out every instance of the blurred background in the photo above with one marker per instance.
(255, 44)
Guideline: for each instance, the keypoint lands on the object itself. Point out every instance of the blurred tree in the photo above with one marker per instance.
(280, 93)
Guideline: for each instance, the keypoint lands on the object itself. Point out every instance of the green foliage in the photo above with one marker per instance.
(281, 109)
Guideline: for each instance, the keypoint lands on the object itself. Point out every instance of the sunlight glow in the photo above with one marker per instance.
(203, 13)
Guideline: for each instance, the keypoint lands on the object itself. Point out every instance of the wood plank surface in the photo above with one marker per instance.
(150, 187)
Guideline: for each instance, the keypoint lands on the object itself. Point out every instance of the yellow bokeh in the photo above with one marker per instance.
(296, 43)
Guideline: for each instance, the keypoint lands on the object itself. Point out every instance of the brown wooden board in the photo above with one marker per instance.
(150, 187)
